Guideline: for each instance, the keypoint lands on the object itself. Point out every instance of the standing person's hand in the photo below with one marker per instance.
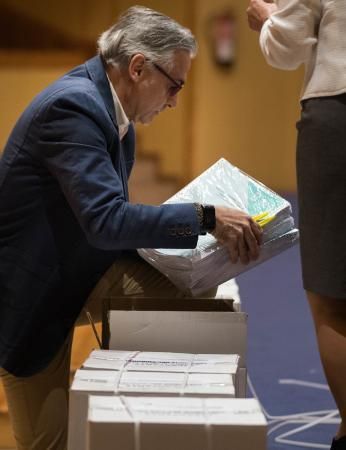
(258, 12)
(239, 233)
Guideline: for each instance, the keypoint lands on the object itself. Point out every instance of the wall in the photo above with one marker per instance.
(22, 76)
(246, 115)
(85, 20)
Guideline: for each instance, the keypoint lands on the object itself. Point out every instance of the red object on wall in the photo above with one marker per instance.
(222, 32)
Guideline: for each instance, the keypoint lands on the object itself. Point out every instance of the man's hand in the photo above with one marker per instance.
(258, 12)
(239, 233)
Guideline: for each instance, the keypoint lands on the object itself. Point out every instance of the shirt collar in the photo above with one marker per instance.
(120, 115)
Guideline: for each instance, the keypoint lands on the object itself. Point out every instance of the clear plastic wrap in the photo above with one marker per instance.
(208, 265)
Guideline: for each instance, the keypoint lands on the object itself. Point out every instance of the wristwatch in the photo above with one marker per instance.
(206, 217)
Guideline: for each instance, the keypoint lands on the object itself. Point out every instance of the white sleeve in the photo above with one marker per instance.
(289, 34)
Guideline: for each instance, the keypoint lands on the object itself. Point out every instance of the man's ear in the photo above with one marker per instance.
(136, 67)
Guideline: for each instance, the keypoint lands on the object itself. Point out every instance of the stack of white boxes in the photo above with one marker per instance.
(188, 325)
(142, 400)
(119, 373)
(179, 385)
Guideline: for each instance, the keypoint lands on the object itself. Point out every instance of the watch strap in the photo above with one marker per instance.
(206, 218)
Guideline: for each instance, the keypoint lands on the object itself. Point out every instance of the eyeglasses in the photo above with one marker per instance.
(177, 84)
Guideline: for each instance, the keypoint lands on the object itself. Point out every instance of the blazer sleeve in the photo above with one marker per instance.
(74, 145)
(287, 37)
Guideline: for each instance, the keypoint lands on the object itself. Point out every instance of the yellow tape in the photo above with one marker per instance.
(265, 221)
(260, 216)
(263, 218)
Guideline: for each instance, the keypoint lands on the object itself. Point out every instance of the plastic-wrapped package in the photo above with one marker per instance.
(208, 265)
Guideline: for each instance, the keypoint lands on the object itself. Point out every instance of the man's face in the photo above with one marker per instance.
(158, 87)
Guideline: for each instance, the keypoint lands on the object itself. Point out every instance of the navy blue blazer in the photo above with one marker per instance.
(65, 215)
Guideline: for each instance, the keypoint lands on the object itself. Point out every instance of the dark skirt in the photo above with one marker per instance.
(321, 173)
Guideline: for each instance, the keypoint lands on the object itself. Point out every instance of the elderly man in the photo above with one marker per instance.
(66, 216)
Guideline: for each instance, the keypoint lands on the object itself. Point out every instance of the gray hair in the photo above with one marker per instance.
(143, 30)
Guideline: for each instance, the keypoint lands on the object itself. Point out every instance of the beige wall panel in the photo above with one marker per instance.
(21, 81)
(168, 136)
(247, 114)
(21, 87)
(62, 15)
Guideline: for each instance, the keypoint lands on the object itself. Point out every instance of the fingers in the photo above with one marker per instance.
(254, 24)
(231, 242)
(239, 232)
(258, 12)
(257, 231)
(237, 245)
(252, 241)
(242, 237)
(244, 254)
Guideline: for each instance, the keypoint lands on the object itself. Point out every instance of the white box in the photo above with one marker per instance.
(192, 325)
(100, 384)
(154, 423)
(161, 362)
(188, 325)
(110, 382)
(170, 362)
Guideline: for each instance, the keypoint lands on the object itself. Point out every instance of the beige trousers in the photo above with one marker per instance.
(38, 405)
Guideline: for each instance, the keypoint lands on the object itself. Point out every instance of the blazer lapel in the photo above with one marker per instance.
(97, 72)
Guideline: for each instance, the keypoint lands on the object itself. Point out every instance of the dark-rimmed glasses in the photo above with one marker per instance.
(177, 84)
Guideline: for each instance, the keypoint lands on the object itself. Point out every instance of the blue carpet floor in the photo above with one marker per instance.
(283, 360)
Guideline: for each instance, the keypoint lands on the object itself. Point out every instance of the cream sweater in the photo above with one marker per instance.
(310, 32)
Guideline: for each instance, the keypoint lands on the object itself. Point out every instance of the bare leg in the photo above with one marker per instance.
(329, 316)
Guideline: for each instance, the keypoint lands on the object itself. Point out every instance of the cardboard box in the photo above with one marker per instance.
(157, 423)
(187, 325)
(111, 383)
